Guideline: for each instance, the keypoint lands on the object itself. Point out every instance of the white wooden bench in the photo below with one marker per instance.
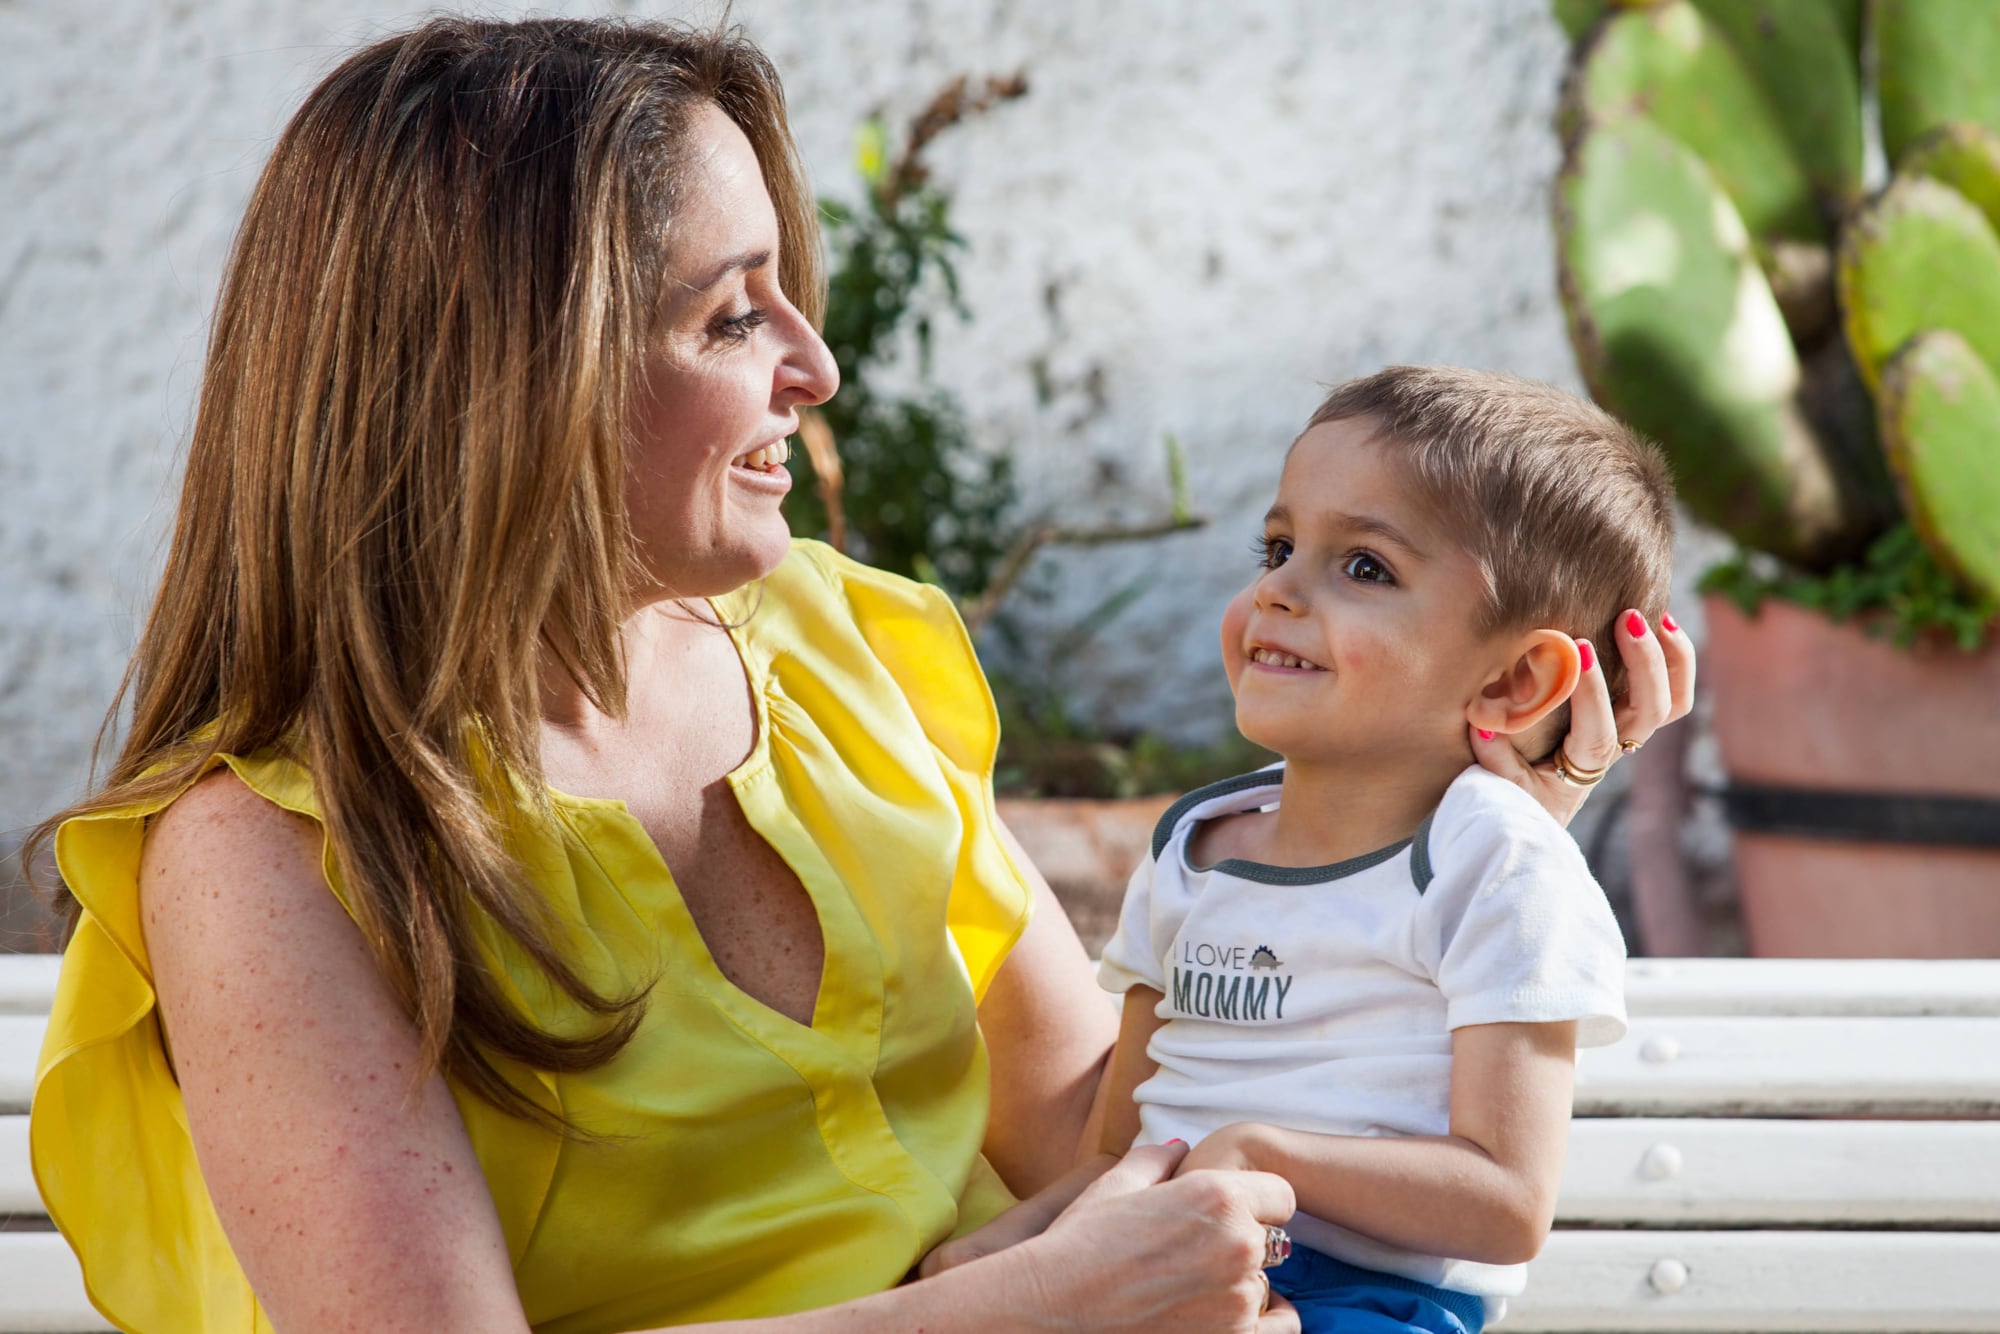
(1777, 1146)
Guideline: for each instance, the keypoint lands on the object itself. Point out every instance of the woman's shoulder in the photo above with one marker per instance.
(224, 820)
(198, 821)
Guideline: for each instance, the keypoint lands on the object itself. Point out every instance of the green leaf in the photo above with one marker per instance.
(1941, 424)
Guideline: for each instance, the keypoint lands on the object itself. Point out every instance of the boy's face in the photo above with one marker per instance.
(1357, 639)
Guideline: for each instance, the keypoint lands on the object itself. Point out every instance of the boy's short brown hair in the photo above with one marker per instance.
(1568, 512)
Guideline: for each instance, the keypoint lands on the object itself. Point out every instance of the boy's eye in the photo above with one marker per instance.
(1366, 567)
(738, 327)
(1272, 551)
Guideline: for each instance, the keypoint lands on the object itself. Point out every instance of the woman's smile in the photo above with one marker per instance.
(763, 468)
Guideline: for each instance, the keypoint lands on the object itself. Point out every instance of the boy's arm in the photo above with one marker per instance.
(1486, 1191)
(1114, 1116)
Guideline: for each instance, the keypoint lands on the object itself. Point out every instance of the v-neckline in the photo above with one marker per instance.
(753, 784)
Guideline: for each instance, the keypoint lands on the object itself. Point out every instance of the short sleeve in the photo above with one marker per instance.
(1131, 957)
(1517, 928)
(108, 1136)
(915, 632)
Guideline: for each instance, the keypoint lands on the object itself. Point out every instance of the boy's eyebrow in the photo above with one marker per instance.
(1355, 523)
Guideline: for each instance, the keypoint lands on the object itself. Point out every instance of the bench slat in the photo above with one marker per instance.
(1723, 1173)
(1764, 1283)
(17, 1181)
(28, 982)
(1889, 988)
(1693, 1066)
(20, 1044)
(41, 1287)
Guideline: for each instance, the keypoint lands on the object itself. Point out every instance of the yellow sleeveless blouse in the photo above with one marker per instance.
(752, 1166)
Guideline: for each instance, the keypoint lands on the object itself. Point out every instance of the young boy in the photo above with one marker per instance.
(1368, 970)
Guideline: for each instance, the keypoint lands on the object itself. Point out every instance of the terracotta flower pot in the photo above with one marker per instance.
(1803, 703)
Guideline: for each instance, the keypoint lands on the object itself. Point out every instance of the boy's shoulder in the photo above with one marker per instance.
(1231, 796)
(1483, 815)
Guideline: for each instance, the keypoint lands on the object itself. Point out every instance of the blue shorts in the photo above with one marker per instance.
(1335, 1297)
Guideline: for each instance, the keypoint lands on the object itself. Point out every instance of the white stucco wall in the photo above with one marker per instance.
(1200, 213)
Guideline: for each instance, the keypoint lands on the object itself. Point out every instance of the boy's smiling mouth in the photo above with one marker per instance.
(1271, 657)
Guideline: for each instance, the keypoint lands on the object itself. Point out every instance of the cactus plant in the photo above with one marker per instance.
(1940, 419)
(1819, 366)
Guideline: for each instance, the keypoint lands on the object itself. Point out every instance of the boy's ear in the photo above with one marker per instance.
(1540, 671)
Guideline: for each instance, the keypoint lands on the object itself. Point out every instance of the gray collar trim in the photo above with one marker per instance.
(1163, 832)
(1421, 870)
(1303, 875)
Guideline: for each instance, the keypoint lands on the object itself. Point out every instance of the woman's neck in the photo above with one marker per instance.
(650, 639)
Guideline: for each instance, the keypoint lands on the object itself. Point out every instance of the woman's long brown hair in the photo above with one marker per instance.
(405, 481)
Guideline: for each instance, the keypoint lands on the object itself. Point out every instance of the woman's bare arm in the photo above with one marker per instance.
(349, 1192)
(1049, 1030)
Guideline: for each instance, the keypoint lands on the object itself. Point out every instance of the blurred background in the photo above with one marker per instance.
(1099, 264)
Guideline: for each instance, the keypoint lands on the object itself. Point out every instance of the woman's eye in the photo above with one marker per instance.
(1272, 551)
(738, 327)
(1366, 567)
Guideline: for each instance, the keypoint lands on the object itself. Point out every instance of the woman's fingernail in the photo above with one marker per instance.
(1667, 619)
(1587, 653)
(1172, 1142)
(1635, 625)
(1484, 735)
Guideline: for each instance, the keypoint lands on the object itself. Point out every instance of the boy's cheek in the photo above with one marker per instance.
(1235, 620)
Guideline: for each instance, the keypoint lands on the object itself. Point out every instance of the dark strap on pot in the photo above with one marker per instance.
(1870, 817)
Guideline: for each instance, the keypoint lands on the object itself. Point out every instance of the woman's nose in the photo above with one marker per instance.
(810, 372)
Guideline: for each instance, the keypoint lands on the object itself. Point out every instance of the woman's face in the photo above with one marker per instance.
(722, 383)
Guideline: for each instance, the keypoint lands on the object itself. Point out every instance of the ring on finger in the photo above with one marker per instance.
(1264, 1303)
(1629, 746)
(1574, 774)
(1277, 1246)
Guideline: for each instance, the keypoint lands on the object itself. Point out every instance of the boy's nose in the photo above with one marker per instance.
(1273, 593)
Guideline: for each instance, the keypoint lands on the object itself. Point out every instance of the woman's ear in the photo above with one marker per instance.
(1539, 671)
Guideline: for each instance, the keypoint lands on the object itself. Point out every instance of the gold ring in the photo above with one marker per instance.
(1265, 1304)
(1629, 746)
(1277, 1246)
(1567, 770)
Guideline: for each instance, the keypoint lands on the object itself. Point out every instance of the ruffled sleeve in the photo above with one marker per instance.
(915, 632)
(108, 1135)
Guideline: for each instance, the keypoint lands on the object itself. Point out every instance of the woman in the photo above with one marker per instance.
(481, 613)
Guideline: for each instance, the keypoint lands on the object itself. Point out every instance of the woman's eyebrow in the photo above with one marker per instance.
(743, 263)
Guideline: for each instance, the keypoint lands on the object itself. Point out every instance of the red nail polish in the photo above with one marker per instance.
(1635, 625)
(1667, 619)
(1484, 735)
(1588, 654)
(1172, 1142)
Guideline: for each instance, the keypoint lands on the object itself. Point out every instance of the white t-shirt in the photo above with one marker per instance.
(1323, 998)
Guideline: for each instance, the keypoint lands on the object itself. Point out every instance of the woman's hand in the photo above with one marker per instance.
(1659, 675)
(1141, 1251)
(1030, 1218)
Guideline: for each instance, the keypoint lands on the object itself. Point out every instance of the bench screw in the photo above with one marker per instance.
(1662, 1162)
(1660, 1049)
(1668, 1277)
